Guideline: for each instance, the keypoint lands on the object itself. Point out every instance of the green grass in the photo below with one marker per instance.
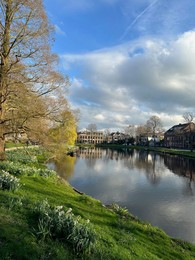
(119, 235)
(10, 144)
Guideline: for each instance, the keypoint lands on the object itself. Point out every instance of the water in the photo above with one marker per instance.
(156, 188)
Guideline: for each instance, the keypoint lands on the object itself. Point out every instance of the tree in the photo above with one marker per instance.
(27, 66)
(188, 117)
(92, 127)
(63, 132)
(130, 133)
(106, 135)
(130, 130)
(154, 125)
(141, 134)
(141, 130)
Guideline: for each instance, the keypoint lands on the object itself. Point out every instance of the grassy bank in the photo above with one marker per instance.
(33, 226)
(163, 150)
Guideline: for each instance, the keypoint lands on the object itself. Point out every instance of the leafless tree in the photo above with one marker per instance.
(154, 125)
(189, 117)
(130, 130)
(92, 127)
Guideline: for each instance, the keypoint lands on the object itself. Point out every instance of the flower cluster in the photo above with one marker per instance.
(21, 156)
(8, 181)
(64, 225)
(18, 169)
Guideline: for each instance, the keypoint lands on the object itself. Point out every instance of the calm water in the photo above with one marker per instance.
(157, 188)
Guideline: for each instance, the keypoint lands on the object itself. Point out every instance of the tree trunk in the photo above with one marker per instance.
(2, 146)
(4, 66)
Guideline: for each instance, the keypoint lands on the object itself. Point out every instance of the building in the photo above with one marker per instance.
(180, 136)
(90, 137)
(116, 138)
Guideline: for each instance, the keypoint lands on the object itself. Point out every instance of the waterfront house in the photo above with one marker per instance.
(90, 137)
(180, 136)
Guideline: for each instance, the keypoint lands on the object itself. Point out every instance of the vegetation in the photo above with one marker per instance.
(28, 72)
(46, 219)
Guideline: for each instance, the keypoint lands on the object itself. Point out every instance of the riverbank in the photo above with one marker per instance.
(111, 233)
(162, 150)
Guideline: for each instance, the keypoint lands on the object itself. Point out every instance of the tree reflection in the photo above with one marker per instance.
(65, 166)
(153, 165)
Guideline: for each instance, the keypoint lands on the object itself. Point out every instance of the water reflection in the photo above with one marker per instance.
(181, 165)
(156, 188)
(64, 167)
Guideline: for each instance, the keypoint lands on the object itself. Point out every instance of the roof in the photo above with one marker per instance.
(180, 128)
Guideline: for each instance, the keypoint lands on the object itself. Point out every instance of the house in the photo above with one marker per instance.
(180, 136)
(90, 137)
(117, 138)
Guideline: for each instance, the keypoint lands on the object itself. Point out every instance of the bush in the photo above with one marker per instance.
(8, 182)
(64, 225)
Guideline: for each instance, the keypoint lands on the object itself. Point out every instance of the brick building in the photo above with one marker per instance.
(180, 136)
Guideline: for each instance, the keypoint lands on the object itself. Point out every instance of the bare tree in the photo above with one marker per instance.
(189, 117)
(92, 127)
(130, 130)
(27, 65)
(154, 125)
(141, 130)
(106, 135)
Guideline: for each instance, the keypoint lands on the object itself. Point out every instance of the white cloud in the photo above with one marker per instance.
(99, 117)
(130, 82)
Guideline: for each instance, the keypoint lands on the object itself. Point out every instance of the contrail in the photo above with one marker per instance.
(137, 17)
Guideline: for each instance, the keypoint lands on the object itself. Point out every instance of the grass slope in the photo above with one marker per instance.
(119, 235)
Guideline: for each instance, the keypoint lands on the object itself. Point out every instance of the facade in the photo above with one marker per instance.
(119, 138)
(149, 140)
(90, 137)
(116, 137)
(180, 136)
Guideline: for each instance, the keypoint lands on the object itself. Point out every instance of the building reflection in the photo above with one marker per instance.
(86, 153)
(181, 166)
(153, 165)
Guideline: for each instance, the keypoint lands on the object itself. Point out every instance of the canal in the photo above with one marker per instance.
(156, 188)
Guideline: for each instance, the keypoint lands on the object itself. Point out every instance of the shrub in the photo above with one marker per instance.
(8, 181)
(64, 225)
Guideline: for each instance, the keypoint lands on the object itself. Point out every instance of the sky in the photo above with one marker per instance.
(127, 60)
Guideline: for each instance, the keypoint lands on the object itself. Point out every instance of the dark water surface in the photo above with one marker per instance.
(157, 188)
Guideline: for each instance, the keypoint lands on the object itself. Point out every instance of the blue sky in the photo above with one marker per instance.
(126, 59)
